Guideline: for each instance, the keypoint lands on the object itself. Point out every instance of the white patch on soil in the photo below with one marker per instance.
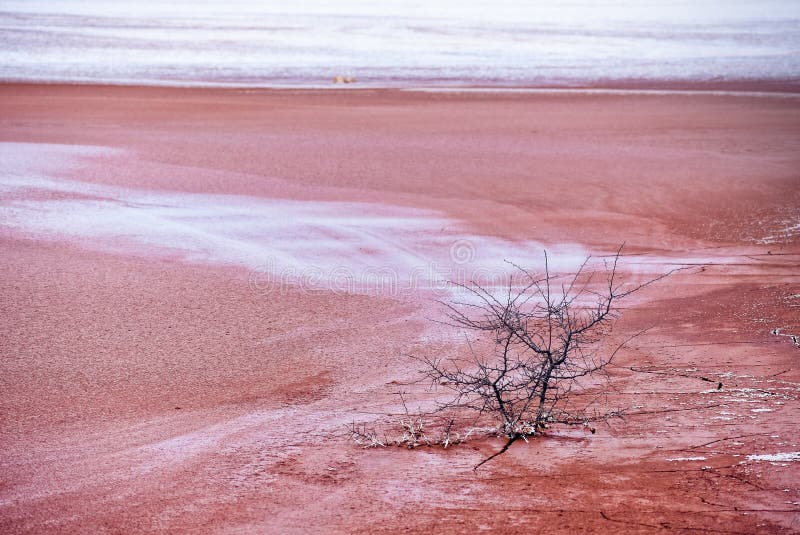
(339, 246)
(776, 457)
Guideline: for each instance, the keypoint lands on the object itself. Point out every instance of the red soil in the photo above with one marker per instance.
(144, 395)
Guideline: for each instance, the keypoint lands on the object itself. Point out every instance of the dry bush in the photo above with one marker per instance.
(546, 333)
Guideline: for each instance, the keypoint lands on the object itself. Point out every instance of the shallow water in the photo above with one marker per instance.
(397, 43)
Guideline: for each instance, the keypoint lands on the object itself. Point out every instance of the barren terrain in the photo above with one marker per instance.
(189, 316)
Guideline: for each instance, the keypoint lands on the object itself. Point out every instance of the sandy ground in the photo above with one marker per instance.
(152, 381)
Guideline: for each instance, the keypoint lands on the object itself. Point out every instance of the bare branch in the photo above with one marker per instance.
(548, 340)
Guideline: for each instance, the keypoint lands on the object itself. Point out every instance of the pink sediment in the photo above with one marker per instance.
(149, 386)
